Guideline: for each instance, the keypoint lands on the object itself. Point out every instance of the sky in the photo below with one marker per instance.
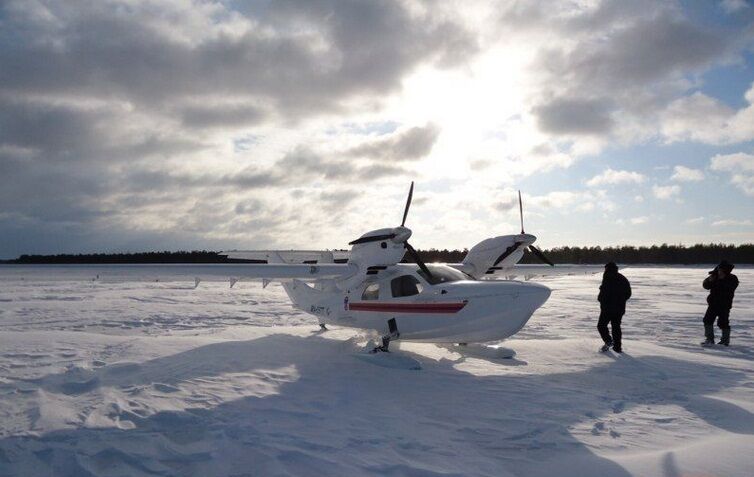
(166, 125)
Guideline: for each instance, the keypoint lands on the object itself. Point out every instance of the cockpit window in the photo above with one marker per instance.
(443, 274)
(371, 292)
(406, 285)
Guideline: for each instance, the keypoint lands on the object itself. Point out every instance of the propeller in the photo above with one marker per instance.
(507, 252)
(538, 253)
(521, 212)
(418, 259)
(403, 233)
(408, 204)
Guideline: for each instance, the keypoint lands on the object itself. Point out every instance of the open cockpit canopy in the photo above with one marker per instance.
(443, 274)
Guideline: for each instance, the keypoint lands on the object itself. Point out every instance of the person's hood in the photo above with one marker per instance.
(726, 266)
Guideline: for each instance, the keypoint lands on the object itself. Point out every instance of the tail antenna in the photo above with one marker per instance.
(521, 211)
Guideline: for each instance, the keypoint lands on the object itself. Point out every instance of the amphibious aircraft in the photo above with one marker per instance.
(425, 302)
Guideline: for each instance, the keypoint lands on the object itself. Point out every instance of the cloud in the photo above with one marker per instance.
(732, 223)
(221, 116)
(579, 201)
(630, 47)
(604, 71)
(695, 221)
(118, 116)
(734, 6)
(701, 118)
(613, 177)
(666, 192)
(302, 57)
(410, 144)
(639, 220)
(733, 162)
(686, 174)
(506, 201)
(192, 122)
(574, 116)
(741, 168)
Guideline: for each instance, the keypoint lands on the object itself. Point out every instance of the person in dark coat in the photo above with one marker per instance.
(614, 292)
(722, 285)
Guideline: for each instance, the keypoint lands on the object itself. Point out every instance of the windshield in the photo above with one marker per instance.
(443, 274)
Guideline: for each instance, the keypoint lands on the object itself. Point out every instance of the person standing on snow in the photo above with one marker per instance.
(721, 284)
(614, 292)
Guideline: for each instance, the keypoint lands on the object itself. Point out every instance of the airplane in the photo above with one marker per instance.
(418, 302)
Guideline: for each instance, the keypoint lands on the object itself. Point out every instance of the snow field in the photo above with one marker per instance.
(119, 376)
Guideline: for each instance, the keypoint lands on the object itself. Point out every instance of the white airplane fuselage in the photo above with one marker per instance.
(458, 310)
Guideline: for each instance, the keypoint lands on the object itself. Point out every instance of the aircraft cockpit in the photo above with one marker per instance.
(408, 280)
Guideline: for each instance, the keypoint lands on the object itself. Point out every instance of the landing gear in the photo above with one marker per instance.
(322, 327)
(393, 333)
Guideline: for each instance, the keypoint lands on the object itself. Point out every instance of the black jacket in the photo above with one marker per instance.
(721, 290)
(614, 292)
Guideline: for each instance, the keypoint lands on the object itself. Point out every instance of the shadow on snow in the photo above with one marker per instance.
(345, 417)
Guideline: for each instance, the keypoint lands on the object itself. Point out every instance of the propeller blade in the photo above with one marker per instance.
(418, 259)
(373, 238)
(521, 211)
(540, 255)
(507, 252)
(408, 204)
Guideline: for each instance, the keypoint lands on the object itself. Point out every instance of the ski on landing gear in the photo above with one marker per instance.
(393, 333)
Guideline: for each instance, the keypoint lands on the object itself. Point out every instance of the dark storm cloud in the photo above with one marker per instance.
(102, 101)
(648, 50)
(97, 48)
(81, 134)
(575, 116)
(221, 116)
(637, 54)
(411, 144)
(300, 165)
(305, 163)
(48, 127)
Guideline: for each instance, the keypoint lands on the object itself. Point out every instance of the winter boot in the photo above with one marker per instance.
(709, 334)
(725, 340)
(606, 347)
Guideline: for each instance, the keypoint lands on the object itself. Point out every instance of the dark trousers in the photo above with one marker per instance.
(614, 320)
(721, 315)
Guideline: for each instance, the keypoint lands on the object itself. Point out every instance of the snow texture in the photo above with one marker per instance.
(125, 375)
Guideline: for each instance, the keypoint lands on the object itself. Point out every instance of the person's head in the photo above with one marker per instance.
(611, 267)
(724, 268)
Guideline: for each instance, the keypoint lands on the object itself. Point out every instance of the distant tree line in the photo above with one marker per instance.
(655, 254)
(195, 256)
(659, 254)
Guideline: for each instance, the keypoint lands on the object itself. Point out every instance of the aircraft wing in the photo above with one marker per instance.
(289, 256)
(287, 271)
(526, 272)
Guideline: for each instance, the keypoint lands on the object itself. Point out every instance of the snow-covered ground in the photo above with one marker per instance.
(119, 376)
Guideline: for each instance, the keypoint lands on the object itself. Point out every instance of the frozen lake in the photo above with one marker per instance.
(128, 370)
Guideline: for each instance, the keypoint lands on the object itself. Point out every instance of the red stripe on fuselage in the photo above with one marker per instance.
(407, 307)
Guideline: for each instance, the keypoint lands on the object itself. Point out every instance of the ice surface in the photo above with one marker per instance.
(126, 375)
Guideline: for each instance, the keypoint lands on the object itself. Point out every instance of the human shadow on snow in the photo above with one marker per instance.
(342, 416)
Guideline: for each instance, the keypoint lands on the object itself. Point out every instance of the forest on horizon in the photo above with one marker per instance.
(627, 254)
